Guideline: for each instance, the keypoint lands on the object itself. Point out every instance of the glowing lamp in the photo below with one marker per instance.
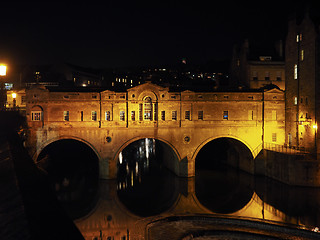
(315, 126)
(3, 70)
(14, 95)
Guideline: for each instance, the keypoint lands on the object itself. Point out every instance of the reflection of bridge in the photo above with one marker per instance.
(185, 121)
(113, 220)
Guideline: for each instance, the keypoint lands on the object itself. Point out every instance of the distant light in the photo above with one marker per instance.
(3, 70)
(14, 95)
(315, 126)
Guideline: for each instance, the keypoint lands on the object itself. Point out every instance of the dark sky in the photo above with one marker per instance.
(133, 33)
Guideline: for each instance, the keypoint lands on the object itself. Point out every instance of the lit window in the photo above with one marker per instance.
(302, 55)
(295, 100)
(187, 115)
(36, 115)
(297, 38)
(94, 116)
(226, 115)
(174, 115)
(122, 116)
(66, 115)
(163, 115)
(148, 109)
(200, 115)
(295, 72)
(107, 116)
(274, 137)
(133, 115)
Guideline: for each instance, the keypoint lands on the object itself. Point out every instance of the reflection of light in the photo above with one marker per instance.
(120, 157)
(137, 168)
(147, 147)
(132, 179)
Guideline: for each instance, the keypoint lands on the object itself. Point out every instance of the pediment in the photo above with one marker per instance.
(147, 86)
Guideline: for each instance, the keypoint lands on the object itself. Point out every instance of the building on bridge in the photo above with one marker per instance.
(108, 121)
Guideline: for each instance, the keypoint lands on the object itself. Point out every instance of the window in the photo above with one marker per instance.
(279, 76)
(94, 116)
(122, 116)
(107, 116)
(267, 76)
(36, 115)
(299, 37)
(133, 115)
(295, 100)
(66, 115)
(140, 112)
(174, 115)
(200, 115)
(148, 109)
(274, 137)
(302, 55)
(295, 71)
(81, 116)
(255, 75)
(250, 115)
(23, 99)
(155, 112)
(163, 115)
(187, 115)
(226, 115)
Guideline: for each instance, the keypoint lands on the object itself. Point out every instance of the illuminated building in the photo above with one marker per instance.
(302, 82)
(255, 69)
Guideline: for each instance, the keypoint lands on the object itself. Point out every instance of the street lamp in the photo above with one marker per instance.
(3, 93)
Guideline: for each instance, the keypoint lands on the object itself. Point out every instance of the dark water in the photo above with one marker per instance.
(144, 187)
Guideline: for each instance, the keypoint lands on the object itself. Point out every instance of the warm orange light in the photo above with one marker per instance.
(315, 126)
(3, 70)
(14, 95)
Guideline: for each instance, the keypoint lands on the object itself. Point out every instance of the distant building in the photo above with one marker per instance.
(255, 68)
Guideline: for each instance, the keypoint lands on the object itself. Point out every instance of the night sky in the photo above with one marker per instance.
(134, 33)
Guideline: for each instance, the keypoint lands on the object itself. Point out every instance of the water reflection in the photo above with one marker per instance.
(144, 186)
(145, 189)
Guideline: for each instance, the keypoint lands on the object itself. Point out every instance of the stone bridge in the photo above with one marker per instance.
(182, 121)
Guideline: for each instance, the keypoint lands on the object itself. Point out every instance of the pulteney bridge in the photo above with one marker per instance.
(184, 122)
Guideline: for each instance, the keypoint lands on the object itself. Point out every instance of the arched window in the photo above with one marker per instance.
(148, 109)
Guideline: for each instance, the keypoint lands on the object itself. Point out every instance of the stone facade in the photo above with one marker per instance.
(254, 70)
(108, 121)
(302, 91)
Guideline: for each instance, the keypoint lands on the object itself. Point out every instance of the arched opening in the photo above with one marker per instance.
(144, 185)
(219, 184)
(73, 170)
(148, 108)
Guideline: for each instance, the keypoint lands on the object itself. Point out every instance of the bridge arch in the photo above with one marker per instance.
(171, 164)
(73, 168)
(245, 160)
(64, 137)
